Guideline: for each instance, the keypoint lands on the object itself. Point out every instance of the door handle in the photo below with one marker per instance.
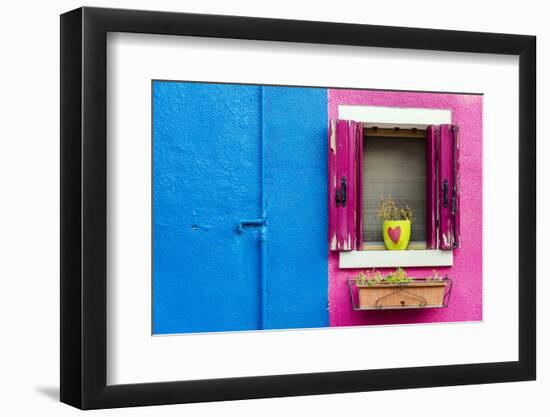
(250, 223)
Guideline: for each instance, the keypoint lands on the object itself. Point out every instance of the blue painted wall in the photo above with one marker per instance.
(295, 129)
(207, 142)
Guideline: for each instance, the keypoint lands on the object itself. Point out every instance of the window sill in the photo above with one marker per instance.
(395, 258)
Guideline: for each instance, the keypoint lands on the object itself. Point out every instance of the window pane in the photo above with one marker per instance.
(396, 167)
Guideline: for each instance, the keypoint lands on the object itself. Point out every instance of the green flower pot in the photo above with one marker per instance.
(397, 234)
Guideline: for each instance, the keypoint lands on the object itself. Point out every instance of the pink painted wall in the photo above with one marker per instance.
(466, 298)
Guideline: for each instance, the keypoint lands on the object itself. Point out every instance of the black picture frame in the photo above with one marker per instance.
(84, 207)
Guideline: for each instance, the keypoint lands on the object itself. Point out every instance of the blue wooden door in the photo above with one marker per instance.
(206, 177)
(208, 273)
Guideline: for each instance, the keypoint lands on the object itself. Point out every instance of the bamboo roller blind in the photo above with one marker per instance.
(394, 166)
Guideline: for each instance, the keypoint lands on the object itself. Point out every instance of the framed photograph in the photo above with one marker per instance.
(257, 208)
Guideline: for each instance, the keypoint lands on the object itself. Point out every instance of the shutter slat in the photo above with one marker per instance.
(431, 187)
(448, 187)
(359, 184)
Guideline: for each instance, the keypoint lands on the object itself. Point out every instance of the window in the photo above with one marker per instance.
(394, 163)
(417, 166)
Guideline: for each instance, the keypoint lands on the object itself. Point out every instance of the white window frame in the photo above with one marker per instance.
(404, 118)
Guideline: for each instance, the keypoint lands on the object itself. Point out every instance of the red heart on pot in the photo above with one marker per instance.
(394, 234)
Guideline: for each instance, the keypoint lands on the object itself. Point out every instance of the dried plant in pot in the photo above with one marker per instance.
(397, 290)
(396, 226)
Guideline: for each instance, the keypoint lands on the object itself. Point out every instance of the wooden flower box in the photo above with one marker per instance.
(420, 293)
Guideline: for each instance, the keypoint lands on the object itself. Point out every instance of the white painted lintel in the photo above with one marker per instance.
(394, 116)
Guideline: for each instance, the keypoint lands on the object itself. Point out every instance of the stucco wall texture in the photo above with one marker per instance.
(466, 272)
(207, 177)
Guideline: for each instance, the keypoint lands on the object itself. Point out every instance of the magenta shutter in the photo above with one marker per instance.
(332, 187)
(344, 161)
(456, 189)
(442, 187)
(448, 187)
(431, 187)
(456, 192)
(345, 143)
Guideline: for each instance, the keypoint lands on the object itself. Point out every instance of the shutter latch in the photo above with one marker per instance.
(341, 193)
(445, 193)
